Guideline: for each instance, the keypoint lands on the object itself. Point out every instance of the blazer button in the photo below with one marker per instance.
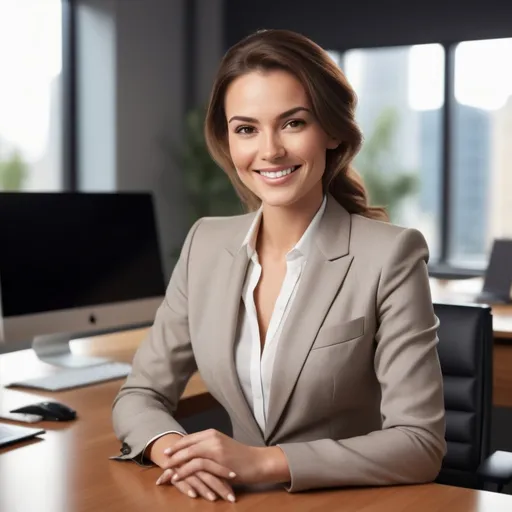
(125, 449)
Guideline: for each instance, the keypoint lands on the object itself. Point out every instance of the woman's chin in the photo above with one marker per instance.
(279, 198)
(290, 196)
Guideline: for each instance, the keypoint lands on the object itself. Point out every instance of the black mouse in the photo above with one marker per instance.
(50, 411)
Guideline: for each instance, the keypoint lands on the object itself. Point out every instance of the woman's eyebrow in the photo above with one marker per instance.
(288, 113)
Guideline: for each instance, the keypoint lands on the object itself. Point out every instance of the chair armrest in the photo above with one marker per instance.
(497, 468)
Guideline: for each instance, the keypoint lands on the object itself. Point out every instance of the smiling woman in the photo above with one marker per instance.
(277, 148)
(318, 117)
(288, 310)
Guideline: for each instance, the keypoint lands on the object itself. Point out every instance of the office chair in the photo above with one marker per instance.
(465, 353)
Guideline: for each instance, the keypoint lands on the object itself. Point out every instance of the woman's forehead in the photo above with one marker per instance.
(264, 93)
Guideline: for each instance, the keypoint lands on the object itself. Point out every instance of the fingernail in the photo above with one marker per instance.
(175, 477)
(211, 496)
(192, 494)
(232, 475)
(231, 498)
(167, 451)
(163, 476)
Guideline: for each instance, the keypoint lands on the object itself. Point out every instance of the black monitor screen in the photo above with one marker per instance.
(68, 250)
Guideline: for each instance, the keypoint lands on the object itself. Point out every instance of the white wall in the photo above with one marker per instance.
(96, 84)
(131, 103)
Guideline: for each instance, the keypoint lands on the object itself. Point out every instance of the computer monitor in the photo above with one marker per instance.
(75, 264)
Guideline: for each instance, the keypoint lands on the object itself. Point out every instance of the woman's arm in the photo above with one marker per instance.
(410, 447)
(161, 369)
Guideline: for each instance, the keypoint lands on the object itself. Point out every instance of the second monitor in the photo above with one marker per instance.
(75, 263)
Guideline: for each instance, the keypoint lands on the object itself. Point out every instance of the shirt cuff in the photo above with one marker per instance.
(158, 436)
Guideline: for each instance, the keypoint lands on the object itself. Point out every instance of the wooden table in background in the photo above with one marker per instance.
(69, 470)
(464, 291)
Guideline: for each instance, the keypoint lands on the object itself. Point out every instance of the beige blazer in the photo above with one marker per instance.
(356, 394)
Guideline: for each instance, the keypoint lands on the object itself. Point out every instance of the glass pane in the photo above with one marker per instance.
(481, 204)
(401, 94)
(337, 57)
(30, 95)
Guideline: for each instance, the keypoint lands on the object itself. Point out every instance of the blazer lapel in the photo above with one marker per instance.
(232, 270)
(324, 273)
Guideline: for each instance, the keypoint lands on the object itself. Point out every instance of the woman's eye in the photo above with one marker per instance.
(295, 123)
(245, 130)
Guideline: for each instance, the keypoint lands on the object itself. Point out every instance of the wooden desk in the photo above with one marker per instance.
(69, 471)
(119, 346)
(465, 290)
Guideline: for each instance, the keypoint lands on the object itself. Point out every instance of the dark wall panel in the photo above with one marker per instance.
(342, 25)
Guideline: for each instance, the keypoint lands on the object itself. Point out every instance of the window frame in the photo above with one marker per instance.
(69, 97)
(442, 268)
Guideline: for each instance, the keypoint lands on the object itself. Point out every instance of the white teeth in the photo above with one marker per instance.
(277, 174)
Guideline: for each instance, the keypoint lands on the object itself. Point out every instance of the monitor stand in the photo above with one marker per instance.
(54, 349)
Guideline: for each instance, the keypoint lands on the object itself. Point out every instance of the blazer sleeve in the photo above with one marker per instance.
(411, 444)
(161, 368)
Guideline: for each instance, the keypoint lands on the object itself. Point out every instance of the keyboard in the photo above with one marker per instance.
(77, 377)
(12, 433)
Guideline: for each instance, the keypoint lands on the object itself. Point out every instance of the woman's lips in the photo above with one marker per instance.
(272, 179)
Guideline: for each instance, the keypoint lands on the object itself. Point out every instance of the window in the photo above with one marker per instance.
(400, 93)
(30, 95)
(439, 164)
(481, 204)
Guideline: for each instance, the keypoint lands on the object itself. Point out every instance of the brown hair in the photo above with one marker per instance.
(333, 103)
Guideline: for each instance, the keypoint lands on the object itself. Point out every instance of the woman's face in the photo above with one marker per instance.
(277, 146)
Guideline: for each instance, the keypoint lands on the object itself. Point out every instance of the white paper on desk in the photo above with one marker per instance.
(23, 418)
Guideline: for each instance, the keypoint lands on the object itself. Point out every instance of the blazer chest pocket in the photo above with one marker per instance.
(337, 334)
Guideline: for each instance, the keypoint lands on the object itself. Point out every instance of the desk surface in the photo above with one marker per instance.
(69, 470)
(465, 291)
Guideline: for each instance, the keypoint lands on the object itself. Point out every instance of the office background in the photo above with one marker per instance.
(100, 95)
(102, 104)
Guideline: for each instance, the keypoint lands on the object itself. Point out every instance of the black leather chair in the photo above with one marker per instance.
(465, 352)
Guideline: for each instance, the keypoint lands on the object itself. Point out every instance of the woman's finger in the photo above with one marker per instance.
(207, 465)
(185, 488)
(222, 488)
(191, 439)
(200, 488)
(165, 477)
(182, 486)
(200, 450)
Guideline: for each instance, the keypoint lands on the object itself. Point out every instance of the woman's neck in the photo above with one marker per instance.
(283, 226)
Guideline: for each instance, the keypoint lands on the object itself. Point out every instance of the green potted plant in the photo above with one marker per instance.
(13, 172)
(385, 188)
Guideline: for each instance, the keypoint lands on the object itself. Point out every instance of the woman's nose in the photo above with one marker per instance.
(272, 148)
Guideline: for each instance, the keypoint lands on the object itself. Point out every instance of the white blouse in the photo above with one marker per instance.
(254, 367)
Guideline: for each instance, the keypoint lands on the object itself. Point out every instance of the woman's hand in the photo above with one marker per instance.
(200, 483)
(223, 457)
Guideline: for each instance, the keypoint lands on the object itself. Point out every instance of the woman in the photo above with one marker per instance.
(310, 320)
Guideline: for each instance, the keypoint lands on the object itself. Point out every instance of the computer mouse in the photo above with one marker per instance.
(50, 411)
